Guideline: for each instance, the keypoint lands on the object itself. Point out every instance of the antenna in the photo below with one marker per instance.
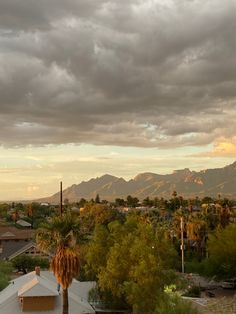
(61, 209)
(182, 241)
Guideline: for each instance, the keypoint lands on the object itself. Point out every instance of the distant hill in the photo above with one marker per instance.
(210, 182)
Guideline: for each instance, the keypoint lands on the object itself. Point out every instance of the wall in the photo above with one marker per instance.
(37, 303)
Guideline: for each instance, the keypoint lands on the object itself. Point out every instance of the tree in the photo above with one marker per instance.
(119, 202)
(132, 201)
(172, 303)
(207, 200)
(15, 216)
(60, 237)
(4, 209)
(94, 214)
(27, 263)
(30, 213)
(147, 202)
(175, 202)
(144, 256)
(224, 216)
(222, 252)
(94, 253)
(211, 216)
(97, 199)
(82, 202)
(5, 270)
(196, 228)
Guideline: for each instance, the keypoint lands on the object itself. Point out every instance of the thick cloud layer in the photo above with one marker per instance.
(130, 73)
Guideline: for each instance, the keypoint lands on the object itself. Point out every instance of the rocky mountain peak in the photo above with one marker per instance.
(187, 183)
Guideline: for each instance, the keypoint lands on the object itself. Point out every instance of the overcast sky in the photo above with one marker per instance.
(89, 87)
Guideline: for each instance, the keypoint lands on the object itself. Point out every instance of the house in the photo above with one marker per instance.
(75, 209)
(30, 249)
(37, 292)
(13, 239)
(45, 204)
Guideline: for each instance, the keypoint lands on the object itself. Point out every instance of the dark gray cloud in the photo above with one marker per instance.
(41, 15)
(132, 73)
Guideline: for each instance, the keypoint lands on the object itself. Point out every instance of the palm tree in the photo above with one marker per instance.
(197, 231)
(59, 237)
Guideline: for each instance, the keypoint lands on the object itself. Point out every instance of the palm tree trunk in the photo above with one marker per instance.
(65, 306)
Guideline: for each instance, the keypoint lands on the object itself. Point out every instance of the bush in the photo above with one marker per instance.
(222, 252)
(197, 267)
(5, 271)
(105, 300)
(174, 304)
(4, 280)
(193, 291)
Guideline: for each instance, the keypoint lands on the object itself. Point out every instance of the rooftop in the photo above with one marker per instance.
(45, 285)
(12, 233)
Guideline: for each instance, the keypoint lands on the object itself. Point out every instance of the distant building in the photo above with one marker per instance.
(23, 223)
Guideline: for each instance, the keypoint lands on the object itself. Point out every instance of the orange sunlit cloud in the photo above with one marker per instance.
(223, 147)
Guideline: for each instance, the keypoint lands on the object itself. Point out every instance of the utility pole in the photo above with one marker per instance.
(61, 209)
(182, 241)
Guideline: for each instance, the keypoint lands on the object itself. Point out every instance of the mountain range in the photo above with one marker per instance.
(187, 183)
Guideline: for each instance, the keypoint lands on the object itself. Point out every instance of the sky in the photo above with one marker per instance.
(89, 87)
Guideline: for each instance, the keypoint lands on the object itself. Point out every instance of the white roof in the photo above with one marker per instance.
(37, 287)
(7, 234)
(31, 285)
(23, 223)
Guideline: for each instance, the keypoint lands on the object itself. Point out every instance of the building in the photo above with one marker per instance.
(37, 292)
(13, 239)
(23, 223)
(30, 249)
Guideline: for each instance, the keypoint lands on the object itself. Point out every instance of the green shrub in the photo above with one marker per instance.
(194, 292)
(5, 271)
(222, 253)
(4, 280)
(174, 304)
(197, 267)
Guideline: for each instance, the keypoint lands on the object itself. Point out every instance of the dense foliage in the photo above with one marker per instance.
(132, 248)
(131, 262)
(5, 271)
(173, 304)
(222, 252)
(26, 263)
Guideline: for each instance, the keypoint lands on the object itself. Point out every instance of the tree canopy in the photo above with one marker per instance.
(132, 262)
(222, 252)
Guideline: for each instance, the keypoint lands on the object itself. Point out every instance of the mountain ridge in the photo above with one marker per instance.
(187, 183)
